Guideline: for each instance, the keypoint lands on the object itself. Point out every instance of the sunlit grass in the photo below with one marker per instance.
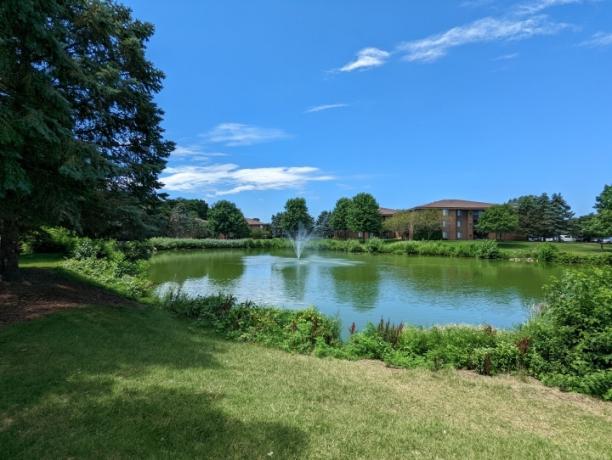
(119, 383)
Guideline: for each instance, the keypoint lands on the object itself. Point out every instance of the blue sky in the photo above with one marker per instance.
(410, 101)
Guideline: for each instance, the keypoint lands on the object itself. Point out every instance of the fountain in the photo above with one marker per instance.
(299, 240)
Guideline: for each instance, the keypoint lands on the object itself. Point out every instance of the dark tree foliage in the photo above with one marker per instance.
(561, 214)
(226, 220)
(81, 142)
(322, 226)
(295, 216)
(276, 225)
(542, 216)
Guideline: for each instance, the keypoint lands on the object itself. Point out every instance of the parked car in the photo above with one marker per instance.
(607, 240)
(567, 238)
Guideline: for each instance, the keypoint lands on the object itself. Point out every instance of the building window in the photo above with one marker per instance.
(443, 223)
(459, 235)
(445, 212)
(458, 223)
(458, 212)
(445, 235)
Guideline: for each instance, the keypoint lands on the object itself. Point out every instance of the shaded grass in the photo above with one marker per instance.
(43, 260)
(123, 383)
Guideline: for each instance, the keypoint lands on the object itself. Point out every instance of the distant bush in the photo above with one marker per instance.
(546, 252)
(163, 244)
(375, 245)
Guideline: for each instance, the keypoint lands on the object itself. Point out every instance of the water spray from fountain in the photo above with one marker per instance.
(300, 239)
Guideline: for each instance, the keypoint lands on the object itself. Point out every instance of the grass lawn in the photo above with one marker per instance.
(106, 382)
(578, 248)
(40, 260)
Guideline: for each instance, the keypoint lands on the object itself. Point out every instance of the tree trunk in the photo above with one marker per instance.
(9, 250)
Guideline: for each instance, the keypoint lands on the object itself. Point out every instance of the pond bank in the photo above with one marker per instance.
(484, 249)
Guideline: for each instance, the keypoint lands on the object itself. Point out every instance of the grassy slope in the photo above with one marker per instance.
(121, 383)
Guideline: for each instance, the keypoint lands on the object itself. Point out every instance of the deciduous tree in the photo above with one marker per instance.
(225, 219)
(295, 216)
(499, 220)
(363, 214)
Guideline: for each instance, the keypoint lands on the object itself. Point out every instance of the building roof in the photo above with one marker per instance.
(254, 221)
(455, 204)
(385, 212)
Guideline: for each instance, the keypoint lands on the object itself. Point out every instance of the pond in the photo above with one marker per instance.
(361, 287)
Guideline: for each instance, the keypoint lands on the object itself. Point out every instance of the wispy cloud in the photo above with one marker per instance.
(506, 57)
(367, 58)
(483, 30)
(522, 21)
(537, 6)
(321, 108)
(194, 151)
(227, 179)
(600, 39)
(239, 134)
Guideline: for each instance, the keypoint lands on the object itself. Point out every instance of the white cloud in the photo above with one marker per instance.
(194, 151)
(367, 58)
(483, 30)
(238, 134)
(506, 57)
(321, 108)
(599, 39)
(536, 6)
(226, 179)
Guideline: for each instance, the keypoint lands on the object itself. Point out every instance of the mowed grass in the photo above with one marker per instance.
(49, 260)
(577, 248)
(125, 383)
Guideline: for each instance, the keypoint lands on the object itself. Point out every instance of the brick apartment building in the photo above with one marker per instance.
(459, 218)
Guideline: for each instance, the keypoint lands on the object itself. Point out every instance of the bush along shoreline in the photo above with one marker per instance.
(567, 344)
(485, 249)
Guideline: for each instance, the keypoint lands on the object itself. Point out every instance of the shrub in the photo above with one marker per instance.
(572, 337)
(51, 239)
(122, 276)
(375, 245)
(301, 331)
(136, 250)
(547, 252)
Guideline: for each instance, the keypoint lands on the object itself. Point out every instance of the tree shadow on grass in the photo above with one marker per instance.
(151, 422)
(105, 382)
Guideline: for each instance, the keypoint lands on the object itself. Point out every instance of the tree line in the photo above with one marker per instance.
(543, 217)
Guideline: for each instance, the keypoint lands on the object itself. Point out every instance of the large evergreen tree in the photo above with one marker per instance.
(80, 136)
(561, 214)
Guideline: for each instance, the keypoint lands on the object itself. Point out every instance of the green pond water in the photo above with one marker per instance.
(362, 287)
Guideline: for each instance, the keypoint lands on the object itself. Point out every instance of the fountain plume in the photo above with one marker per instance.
(300, 239)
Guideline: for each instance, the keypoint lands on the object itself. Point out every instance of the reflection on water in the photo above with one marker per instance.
(361, 288)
